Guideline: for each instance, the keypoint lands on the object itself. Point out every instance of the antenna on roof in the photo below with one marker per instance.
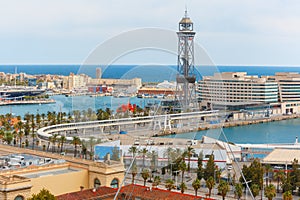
(185, 12)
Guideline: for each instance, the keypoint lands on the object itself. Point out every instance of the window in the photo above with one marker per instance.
(19, 197)
(114, 183)
(97, 183)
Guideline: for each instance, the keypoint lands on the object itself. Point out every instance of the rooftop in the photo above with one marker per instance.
(282, 156)
(128, 192)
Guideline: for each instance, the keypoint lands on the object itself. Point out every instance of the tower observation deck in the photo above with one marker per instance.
(185, 79)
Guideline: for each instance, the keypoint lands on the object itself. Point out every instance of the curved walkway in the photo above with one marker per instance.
(46, 132)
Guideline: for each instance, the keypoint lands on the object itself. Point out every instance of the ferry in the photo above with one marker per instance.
(18, 91)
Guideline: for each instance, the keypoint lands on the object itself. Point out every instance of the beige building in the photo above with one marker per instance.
(236, 89)
(59, 177)
(121, 82)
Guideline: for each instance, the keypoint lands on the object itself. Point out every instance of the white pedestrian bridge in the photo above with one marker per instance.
(156, 121)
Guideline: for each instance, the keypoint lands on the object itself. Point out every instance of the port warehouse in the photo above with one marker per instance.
(25, 180)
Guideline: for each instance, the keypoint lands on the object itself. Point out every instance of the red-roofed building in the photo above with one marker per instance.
(134, 192)
(101, 192)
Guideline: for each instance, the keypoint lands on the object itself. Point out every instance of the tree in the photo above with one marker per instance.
(182, 187)
(254, 189)
(196, 185)
(223, 188)
(267, 169)
(279, 176)
(134, 171)
(145, 175)
(189, 152)
(168, 153)
(254, 173)
(76, 141)
(238, 192)
(182, 167)
(270, 191)
(153, 162)
(287, 195)
(210, 183)
(143, 152)
(169, 184)
(38, 120)
(115, 154)
(295, 175)
(44, 194)
(286, 183)
(156, 181)
(53, 140)
(62, 140)
(200, 169)
(133, 150)
(209, 171)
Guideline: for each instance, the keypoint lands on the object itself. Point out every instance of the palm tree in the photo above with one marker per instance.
(279, 176)
(223, 188)
(156, 181)
(287, 195)
(189, 152)
(182, 187)
(153, 162)
(238, 190)
(20, 136)
(144, 152)
(20, 126)
(196, 185)
(62, 140)
(210, 183)
(133, 150)
(43, 118)
(182, 166)
(145, 175)
(53, 140)
(170, 184)
(133, 172)
(91, 143)
(168, 153)
(267, 170)
(270, 191)
(76, 141)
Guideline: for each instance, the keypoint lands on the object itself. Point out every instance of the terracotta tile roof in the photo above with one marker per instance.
(154, 193)
(88, 194)
(127, 192)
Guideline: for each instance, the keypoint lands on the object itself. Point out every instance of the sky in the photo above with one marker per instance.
(232, 32)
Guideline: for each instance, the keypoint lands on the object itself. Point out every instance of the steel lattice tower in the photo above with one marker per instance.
(186, 78)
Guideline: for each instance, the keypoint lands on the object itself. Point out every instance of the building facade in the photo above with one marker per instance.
(234, 89)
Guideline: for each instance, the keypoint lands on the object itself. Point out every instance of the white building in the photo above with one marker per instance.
(160, 148)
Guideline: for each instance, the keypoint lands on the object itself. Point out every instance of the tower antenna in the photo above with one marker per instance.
(186, 79)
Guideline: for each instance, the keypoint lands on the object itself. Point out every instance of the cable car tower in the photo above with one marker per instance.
(185, 79)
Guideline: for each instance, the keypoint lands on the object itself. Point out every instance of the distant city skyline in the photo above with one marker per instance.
(233, 32)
